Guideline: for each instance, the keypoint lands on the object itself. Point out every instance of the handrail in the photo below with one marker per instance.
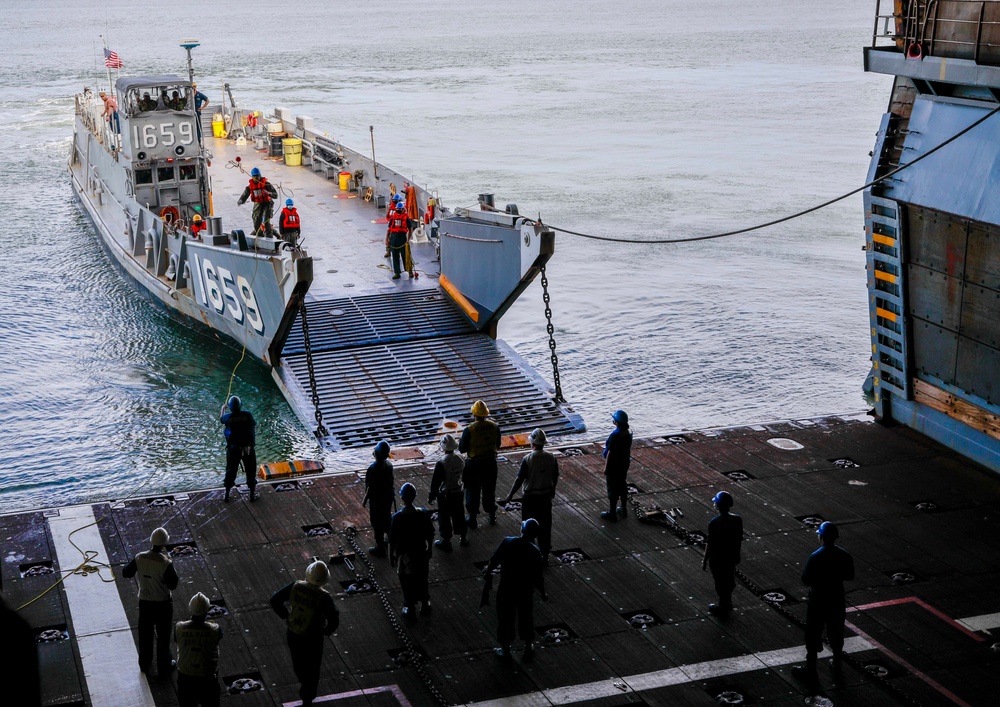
(916, 28)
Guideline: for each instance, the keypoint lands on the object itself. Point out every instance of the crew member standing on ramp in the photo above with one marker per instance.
(618, 457)
(241, 440)
(722, 552)
(262, 194)
(289, 225)
(539, 473)
(446, 488)
(398, 235)
(825, 572)
(311, 617)
(410, 540)
(380, 495)
(480, 443)
(198, 656)
(157, 578)
(520, 565)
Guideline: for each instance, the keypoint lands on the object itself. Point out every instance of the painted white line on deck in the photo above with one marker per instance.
(668, 677)
(100, 627)
(984, 622)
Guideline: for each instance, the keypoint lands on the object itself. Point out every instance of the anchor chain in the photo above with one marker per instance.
(662, 518)
(409, 650)
(558, 397)
(320, 427)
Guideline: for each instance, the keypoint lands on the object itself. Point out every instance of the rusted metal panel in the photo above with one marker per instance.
(934, 297)
(936, 240)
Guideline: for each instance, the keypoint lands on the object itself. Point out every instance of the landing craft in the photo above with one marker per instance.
(378, 358)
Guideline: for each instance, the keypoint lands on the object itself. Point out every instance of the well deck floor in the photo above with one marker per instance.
(923, 525)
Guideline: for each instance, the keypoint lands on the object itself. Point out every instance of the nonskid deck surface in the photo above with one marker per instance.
(405, 392)
(922, 524)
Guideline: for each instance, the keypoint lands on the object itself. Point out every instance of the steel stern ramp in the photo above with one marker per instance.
(397, 366)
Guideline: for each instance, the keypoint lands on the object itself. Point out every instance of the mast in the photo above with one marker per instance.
(188, 45)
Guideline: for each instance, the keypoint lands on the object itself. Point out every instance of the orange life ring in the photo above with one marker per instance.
(169, 214)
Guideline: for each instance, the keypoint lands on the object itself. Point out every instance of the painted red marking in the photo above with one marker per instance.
(920, 602)
(916, 673)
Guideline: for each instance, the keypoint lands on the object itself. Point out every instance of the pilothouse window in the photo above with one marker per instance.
(188, 172)
(164, 174)
(143, 176)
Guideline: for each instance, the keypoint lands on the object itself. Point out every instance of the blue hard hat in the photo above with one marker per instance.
(828, 531)
(529, 528)
(234, 404)
(397, 197)
(381, 450)
(620, 416)
(400, 207)
(723, 499)
(254, 172)
(408, 492)
(289, 202)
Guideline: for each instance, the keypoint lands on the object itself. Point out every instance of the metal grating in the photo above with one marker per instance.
(377, 319)
(403, 391)
(886, 298)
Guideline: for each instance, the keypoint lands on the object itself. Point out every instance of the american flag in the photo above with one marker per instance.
(111, 59)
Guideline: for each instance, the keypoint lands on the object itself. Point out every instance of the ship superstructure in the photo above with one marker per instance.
(933, 228)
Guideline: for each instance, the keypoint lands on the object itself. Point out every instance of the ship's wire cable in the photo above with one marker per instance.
(790, 217)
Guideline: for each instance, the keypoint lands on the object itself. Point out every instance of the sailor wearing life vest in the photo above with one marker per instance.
(157, 577)
(198, 656)
(262, 194)
(197, 226)
(288, 223)
(539, 473)
(480, 442)
(399, 234)
(396, 199)
(311, 617)
(241, 440)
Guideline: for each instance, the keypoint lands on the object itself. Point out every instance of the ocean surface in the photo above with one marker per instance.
(642, 119)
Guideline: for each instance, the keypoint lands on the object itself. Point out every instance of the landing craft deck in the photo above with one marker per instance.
(923, 525)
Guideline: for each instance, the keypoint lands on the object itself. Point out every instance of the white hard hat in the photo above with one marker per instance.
(199, 605)
(317, 573)
(448, 443)
(537, 437)
(159, 537)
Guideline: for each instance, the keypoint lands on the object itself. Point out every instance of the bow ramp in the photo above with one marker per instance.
(400, 366)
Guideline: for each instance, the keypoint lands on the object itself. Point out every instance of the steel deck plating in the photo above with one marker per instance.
(922, 523)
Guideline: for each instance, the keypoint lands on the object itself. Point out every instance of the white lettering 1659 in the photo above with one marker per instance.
(215, 288)
(149, 136)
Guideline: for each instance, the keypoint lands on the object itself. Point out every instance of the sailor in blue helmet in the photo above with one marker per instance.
(262, 194)
(289, 225)
(618, 457)
(722, 552)
(520, 564)
(241, 438)
(411, 537)
(825, 572)
(380, 495)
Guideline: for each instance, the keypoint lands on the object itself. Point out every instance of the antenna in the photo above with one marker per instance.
(188, 45)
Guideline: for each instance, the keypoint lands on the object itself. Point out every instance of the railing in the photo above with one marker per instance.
(963, 29)
(91, 109)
